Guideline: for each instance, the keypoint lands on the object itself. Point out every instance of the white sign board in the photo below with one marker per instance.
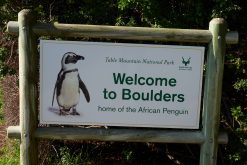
(114, 84)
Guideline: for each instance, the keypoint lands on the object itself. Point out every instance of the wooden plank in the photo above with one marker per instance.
(123, 32)
(117, 32)
(212, 92)
(120, 134)
(232, 37)
(127, 135)
(28, 76)
(14, 132)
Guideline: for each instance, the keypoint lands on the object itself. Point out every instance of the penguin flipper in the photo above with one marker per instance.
(58, 80)
(84, 89)
(53, 94)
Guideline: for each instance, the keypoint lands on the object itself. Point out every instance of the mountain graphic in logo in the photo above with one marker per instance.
(186, 62)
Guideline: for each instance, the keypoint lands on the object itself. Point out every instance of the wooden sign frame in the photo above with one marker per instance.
(29, 132)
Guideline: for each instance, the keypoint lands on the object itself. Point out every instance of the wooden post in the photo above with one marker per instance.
(212, 92)
(28, 80)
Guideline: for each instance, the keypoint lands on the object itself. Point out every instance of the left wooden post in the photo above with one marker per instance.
(28, 81)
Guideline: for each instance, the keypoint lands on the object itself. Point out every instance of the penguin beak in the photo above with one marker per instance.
(78, 57)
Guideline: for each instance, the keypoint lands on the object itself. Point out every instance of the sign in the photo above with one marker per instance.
(116, 84)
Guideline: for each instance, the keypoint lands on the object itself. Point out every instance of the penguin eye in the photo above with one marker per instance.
(70, 59)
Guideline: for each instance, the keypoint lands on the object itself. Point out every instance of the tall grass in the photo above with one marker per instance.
(10, 153)
(9, 149)
(1, 107)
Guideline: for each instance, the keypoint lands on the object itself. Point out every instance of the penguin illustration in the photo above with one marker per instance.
(68, 85)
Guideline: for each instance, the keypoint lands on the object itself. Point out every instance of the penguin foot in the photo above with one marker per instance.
(63, 112)
(75, 113)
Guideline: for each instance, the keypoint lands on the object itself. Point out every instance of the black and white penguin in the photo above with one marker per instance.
(68, 85)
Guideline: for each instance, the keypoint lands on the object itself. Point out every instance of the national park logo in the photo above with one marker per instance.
(185, 64)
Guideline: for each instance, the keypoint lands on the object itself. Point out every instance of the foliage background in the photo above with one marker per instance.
(190, 14)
